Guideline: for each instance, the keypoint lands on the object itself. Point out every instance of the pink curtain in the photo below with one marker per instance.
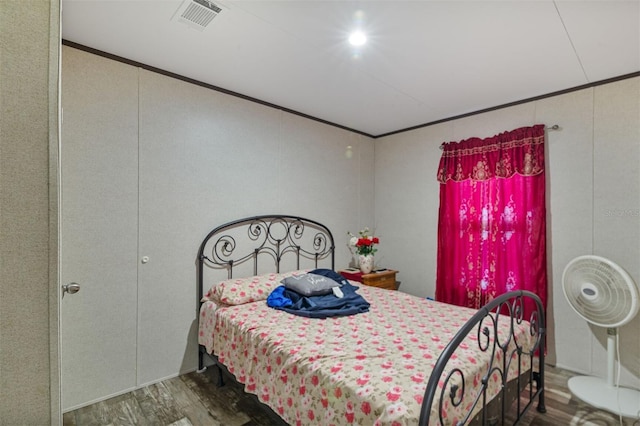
(491, 232)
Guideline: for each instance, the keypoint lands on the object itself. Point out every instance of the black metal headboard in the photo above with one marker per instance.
(274, 238)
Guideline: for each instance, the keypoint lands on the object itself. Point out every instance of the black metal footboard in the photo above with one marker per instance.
(446, 384)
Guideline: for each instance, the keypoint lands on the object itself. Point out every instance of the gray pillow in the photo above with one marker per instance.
(310, 284)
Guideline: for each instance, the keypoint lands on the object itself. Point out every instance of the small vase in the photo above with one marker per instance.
(365, 261)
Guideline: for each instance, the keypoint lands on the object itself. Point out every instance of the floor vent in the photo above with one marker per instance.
(197, 13)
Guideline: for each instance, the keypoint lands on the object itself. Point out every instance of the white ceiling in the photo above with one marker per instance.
(424, 61)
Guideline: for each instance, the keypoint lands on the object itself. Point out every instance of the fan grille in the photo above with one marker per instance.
(600, 291)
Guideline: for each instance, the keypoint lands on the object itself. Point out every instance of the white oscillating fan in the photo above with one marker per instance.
(603, 294)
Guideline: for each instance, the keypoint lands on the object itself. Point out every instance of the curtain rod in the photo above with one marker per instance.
(554, 127)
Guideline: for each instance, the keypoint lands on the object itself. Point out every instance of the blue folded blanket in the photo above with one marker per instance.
(320, 306)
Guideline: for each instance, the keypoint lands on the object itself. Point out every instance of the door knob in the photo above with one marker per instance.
(70, 288)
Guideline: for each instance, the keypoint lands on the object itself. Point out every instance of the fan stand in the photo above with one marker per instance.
(605, 394)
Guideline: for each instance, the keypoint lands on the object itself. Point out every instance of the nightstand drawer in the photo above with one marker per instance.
(383, 279)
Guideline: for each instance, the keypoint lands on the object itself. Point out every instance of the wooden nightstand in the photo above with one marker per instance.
(383, 279)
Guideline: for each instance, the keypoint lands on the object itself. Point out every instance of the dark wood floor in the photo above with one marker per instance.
(195, 399)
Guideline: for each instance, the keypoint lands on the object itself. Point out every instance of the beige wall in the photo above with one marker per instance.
(207, 158)
(28, 212)
(593, 191)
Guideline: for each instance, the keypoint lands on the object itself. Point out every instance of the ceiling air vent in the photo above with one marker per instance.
(197, 13)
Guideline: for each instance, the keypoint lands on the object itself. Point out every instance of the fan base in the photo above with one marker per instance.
(595, 391)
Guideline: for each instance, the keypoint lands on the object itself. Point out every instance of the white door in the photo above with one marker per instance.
(99, 214)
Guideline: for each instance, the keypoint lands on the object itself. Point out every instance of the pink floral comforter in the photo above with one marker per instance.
(366, 369)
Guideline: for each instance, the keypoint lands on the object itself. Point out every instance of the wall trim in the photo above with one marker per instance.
(205, 85)
(55, 81)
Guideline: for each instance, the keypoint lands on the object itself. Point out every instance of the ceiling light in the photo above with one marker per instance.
(357, 38)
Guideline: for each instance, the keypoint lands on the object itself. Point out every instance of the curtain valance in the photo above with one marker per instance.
(520, 151)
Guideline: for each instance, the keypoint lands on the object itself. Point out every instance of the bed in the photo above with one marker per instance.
(405, 361)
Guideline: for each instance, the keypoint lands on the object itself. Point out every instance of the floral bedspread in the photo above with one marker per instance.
(365, 369)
